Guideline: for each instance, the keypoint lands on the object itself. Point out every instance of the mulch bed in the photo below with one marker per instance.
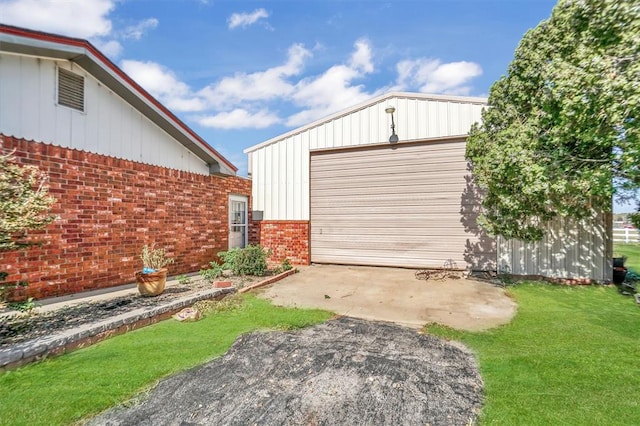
(21, 327)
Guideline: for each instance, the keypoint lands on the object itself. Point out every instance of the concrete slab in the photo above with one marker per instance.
(394, 295)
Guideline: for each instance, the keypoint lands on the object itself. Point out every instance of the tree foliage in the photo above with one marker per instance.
(24, 202)
(563, 125)
(635, 217)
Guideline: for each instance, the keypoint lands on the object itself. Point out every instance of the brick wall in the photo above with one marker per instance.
(108, 209)
(285, 238)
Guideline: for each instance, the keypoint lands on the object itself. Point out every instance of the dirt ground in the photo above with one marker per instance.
(343, 372)
(395, 295)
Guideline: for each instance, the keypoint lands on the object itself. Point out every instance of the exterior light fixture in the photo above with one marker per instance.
(393, 138)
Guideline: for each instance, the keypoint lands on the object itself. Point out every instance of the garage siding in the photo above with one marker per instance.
(410, 205)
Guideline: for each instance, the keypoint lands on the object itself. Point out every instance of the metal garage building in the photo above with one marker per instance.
(355, 198)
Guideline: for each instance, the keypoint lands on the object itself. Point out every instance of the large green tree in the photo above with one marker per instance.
(561, 134)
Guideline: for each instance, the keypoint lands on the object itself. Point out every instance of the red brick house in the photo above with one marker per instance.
(124, 170)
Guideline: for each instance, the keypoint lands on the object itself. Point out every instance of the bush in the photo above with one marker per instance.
(251, 260)
(213, 273)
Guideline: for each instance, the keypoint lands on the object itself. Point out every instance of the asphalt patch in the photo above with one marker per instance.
(344, 371)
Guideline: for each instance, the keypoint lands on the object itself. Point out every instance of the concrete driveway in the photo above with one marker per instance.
(394, 295)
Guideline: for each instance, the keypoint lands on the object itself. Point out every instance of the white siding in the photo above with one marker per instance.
(571, 249)
(108, 126)
(281, 182)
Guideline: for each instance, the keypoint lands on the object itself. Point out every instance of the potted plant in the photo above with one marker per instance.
(152, 278)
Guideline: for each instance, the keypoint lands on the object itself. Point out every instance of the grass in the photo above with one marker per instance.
(569, 357)
(65, 389)
(632, 252)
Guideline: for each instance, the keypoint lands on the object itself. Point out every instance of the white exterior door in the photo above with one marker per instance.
(238, 227)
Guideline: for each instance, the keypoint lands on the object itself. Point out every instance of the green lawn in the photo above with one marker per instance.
(632, 251)
(570, 357)
(70, 387)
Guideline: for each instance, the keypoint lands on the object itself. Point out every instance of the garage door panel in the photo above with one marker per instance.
(425, 230)
(358, 159)
(405, 169)
(437, 173)
(406, 243)
(326, 194)
(408, 206)
(408, 260)
(389, 198)
(415, 211)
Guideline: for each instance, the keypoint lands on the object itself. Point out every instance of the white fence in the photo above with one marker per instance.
(626, 235)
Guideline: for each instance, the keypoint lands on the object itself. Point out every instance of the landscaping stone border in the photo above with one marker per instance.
(268, 281)
(88, 334)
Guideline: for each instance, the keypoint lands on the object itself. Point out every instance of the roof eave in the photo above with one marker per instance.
(33, 43)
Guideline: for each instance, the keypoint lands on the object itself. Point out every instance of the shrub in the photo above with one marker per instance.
(251, 260)
(24, 206)
(211, 274)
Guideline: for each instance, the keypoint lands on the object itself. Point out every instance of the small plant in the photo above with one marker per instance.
(504, 275)
(285, 265)
(251, 260)
(154, 259)
(6, 288)
(24, 306)
(184, 280)
(214, 272)
(229, 258)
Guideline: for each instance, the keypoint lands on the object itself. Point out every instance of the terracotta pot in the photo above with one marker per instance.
(151, 284)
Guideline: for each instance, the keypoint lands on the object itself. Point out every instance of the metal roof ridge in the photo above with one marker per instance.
(365, 104)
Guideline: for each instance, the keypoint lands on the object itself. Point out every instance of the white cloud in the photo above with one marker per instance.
(333, 90)
(258, 86)
(432, 76)
(164, 85)
(361, 58)
(110, 48)
(245, 19)
(75, 18)
(137, 31)
(240, 118)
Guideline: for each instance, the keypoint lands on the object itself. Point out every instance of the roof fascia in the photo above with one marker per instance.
(33, 43)
(365, 104)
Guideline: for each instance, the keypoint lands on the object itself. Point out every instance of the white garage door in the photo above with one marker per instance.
(410, 205)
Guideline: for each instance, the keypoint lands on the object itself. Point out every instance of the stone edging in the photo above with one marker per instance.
(269, 280)
(88, 334)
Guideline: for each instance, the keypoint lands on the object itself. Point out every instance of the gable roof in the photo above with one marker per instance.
(373, 101)
(35, 43)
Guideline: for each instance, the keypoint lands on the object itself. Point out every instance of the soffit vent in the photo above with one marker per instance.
(70, 89)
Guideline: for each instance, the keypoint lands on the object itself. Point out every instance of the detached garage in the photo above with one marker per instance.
(400, 205)
(341, 190)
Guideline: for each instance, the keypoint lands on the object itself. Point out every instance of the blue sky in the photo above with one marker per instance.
(241, 72)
